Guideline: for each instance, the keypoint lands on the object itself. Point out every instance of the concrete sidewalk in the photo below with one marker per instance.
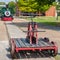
(14, 31)
(4, 53)
(3, 31)
(4, 45)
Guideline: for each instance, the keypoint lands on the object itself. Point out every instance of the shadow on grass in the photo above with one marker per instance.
(58, 53)
(50, 25)
(44, 25)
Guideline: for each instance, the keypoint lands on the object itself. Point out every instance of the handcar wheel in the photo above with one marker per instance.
(52, 53)
(12, 51)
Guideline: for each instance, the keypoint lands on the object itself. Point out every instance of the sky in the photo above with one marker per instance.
(6, 1)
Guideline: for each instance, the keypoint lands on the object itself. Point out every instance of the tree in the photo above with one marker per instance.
(34, 5)
(11, 6)
(27, 5)
(44, 5)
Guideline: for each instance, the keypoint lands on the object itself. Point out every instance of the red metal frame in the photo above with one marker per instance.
(7, 18)
(36, 48)
(17, 49)
(30, 34)
(35, 26)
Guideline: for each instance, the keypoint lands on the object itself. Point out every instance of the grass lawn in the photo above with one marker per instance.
(57, 57)
(47, 20)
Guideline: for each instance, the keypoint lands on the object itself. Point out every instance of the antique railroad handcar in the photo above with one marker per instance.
(32, 42)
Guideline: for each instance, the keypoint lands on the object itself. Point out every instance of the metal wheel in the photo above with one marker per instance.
(13, 51)
(52, 53)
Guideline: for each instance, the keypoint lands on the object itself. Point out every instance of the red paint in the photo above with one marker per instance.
(7, 19)
(32, 32)
(37, 48)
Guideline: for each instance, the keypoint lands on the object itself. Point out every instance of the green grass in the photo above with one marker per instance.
(47, 20)
(57, 57)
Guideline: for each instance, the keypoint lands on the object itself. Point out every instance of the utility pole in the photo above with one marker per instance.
(17, 8)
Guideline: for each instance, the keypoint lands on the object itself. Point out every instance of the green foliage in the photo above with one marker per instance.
(54, 3)
(27, 5)
(43, 8)
(58, 6)
(34, 5)
(44, 2)
(11, 6)
(44, 5)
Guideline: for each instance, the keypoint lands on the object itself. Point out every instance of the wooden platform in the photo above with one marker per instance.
(22, 42)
